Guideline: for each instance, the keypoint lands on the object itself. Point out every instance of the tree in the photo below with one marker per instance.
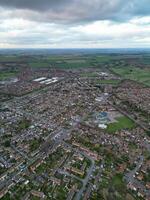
(7, 143)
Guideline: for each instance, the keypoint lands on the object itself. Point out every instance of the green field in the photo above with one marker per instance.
(61, 63)
(88, 74)
(111, 82)
(104, 59)
(72, 65)
(122, 123)
(118, 183)
(145, 59)
(5, 75)
(38, 64)
(132, 73)
(9, 58)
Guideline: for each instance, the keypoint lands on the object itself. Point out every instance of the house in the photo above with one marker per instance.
(35, 193)
(76, 171)
(36, 164)
(148, 186)
(3, 192)
(55, 180)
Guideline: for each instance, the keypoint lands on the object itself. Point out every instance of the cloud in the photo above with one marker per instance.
(62, 10)
(68, 11)
(34, 4)
(24, 33)
(74, 23)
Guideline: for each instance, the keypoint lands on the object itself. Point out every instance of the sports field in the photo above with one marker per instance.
(122, 123)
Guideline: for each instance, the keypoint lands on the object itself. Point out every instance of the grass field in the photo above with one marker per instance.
(60, 63)
(122, 123)
(88, 74)
(104, 59)
(75, 61)
(73, 65)
(5, 75)
(9, 58)
(38, 64)
(136, 74)
(117, 181)
(145, 59)
(111, 82)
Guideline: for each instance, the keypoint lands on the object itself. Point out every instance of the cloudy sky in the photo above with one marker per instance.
(74, 23)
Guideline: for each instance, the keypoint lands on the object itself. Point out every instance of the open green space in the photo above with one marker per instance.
(132, 73)
(73, 65)
(59, 62)
(117, 180)
(23, 124)
(111, 82)
(34, 144)
(104, 59)
(122, 123)
(114, 187)
(75, 61)
(88, 74)
(9, 58)
(39, 64)
(6, 75)
(145, 59)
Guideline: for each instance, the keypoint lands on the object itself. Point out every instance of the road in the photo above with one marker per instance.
(20, 152)
(129, 177)
(89, 173)
(70, 175)
(47, 148)
(85, 181)
(129, 116)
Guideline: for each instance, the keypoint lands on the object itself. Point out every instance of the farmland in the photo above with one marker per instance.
(132, 73)
(5, 75)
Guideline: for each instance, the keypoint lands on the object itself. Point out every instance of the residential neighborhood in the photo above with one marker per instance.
(80, 134)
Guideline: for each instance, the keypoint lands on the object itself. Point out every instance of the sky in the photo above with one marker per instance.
(74, 23)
